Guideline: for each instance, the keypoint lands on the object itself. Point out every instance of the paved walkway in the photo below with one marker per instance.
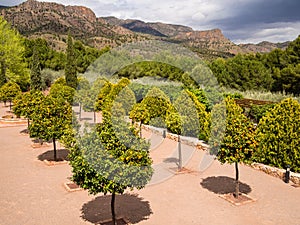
(32, 193)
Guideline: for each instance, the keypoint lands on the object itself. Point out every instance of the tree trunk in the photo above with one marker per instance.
(141, 129)
(179, 153)
(9, 105)
(28, 124)
(54, 149)
(94, 116)
(113, 214)
(3, 71)
(79, 111)
(237, 183)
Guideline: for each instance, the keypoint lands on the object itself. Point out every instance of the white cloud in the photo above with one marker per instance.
(277, 32)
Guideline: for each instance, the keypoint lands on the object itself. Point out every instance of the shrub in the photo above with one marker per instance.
(279, 136)
(256, 112)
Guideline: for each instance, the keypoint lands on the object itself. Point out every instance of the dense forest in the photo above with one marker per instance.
(276, 71)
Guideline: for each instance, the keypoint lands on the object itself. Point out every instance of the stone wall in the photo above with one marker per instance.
(276, 172)
(201, 145)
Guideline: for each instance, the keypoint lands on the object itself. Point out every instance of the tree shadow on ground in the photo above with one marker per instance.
(62, 154)
(86, 119)
(130, 206)
(25, 131)
(223, 185)
(172, 160)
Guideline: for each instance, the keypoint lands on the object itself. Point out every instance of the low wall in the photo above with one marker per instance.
(276, 172)
(273, 171)
(184, 140)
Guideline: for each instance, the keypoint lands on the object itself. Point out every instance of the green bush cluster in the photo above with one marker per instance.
(278, 134)
(277, 71)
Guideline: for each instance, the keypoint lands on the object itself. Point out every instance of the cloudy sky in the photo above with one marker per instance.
(242, 21)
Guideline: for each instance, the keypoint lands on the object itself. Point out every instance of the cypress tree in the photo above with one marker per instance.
(35, 75)
(70, 68)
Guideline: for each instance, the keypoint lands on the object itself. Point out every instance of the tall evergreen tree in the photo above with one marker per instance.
(70, 68)
(35, 75)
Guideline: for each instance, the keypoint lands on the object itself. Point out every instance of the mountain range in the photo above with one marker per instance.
(54, 21)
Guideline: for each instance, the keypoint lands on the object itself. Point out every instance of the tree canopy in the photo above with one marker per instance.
(12, 66)
(279, 137)
(51, 120)
(102, 162)
(70, 68)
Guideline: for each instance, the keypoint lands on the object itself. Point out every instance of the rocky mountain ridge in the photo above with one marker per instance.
(54, 21)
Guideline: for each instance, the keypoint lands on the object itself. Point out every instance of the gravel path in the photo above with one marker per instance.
(33, 193)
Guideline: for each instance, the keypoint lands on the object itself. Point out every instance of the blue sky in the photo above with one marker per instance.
(242, 21)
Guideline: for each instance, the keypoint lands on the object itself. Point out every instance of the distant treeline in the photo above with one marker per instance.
(276, 71)
(56, 60)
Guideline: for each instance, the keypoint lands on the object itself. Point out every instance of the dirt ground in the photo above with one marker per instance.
(32, 193)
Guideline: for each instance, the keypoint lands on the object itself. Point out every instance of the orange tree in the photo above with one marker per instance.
(62, 91)
(26, 104)
(155, 105)
(9, 91)
(103, 162)
(51, 120)
(237, 143)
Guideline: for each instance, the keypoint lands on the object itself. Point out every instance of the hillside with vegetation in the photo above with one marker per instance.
(53, 22)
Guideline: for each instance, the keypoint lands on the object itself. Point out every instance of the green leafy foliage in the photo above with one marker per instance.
(56, 60)
(62, 91)
(242, 72)
(218, 127)
(140, 89)
(51, 120)
(203, 116)
(70, 68)
(279, 137)
(174, 122)
(125, 99)
(275, 71)
(12, 66)
(239, 142)
(154, 69)
(26, 104)
(188, 117)
(290, 79)
(35, 75)
(102, 163)
(9, 91)
(232, 141)
(256, 112)
(139, 113)
(155, 105)
(48, 57)
(86, 55)
(103, 93)
(201, 96)
(110, 92)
